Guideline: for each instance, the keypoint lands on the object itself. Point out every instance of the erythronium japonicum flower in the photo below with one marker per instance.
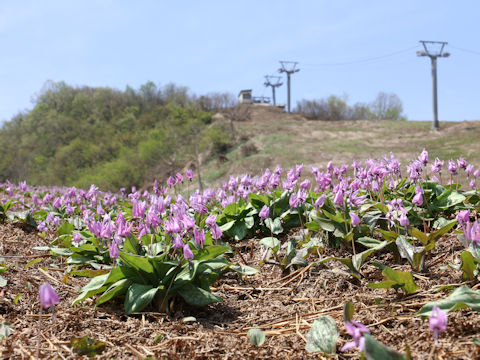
(463, 217)
(437, 322)
(187, 252)
(265, 212)
(356, 330)
(48, 296)
(472, 232)
(189, 174)
(355, 218)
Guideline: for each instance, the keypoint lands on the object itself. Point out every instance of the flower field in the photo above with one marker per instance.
(371, 259)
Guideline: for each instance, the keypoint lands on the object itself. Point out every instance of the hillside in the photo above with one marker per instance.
(271, 137)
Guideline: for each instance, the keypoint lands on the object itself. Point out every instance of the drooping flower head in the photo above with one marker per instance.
(48, 296)
(437, 322)
(113, 250)
(354, 218)
(199, 236)
(356, 330)
(452, 167)
(189, 174)
(265, 212)
(320, 201)
(187, 252)
(77, 237)
(423, 157)
(294, 201)
(472, 232)
(463, 217)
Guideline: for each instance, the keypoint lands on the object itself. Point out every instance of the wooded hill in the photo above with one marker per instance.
(83, 135)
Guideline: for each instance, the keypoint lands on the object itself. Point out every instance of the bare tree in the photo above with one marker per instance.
(386, 106)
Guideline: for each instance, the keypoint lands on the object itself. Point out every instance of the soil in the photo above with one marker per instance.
(284, 307)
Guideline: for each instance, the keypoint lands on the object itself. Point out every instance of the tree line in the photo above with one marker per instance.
(77, 136)
(386, 106)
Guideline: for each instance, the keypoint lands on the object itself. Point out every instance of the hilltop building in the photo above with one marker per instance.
(245, 97)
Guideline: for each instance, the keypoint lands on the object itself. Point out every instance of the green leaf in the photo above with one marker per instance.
(348, 311)
(65, 229)
(119, 288)
(442, 231)
(313, 225)
(256, 337)
(61, 251)
(419, 235)
(131, 245)
(388, 235)
(258, 200)
(196, 296)
(89, 272)
(322, 336)
(17, 298)
(3, 281)
(244, 269)
(476, 341)
(33, 262)
(238, 231)
(138, 297)
(5, 330)
(468, 266)
(95, 286)
(358, 259)
(249, 222)
(140, 263)
(416, 257)
(368, 241)
(326, 224)
(375, 350)
(460, 298)
(227, 226)
(338, 217)
(396, 279)
(86, 346)
(274, 225)
(210, 252)
(270, 242)
(448, 199)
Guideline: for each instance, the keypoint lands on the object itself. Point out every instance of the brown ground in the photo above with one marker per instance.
(284, 308)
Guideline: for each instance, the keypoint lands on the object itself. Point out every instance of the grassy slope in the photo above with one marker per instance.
(290, 139)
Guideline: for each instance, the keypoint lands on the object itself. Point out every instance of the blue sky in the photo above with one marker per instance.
(228, 46)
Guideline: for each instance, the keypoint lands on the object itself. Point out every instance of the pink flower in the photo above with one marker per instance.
(77, 238)
(187, 252)
(171, 181)
(423, 157)
(179, 178)
(305, 184)
(211, 221)
(437, 322)
(356, 330)
(294, 201)
(216, 232)
(113, 250)
(463, 217)
(199, 237)
(189, 174)
(48, 296)
(354, 218)
(472, 232)
(265, 212)
(403, 220)
(418, 199)
(452, 167)
(320, 201)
